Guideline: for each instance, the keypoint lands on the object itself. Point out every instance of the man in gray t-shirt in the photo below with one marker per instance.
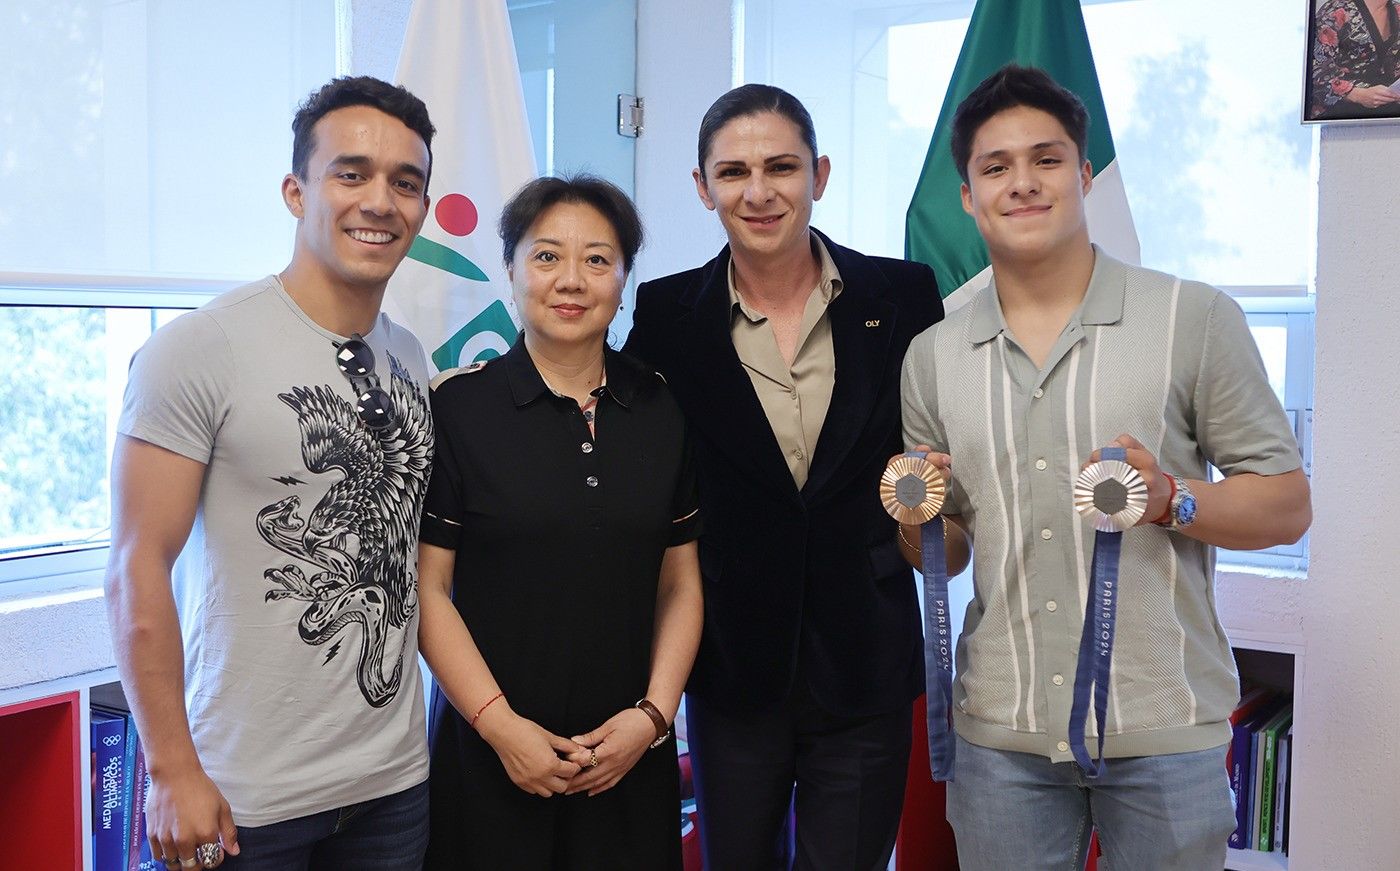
(1069, 351)
(274, 450)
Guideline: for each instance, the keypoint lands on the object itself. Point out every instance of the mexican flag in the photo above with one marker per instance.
(1048, 34)
(459, 58)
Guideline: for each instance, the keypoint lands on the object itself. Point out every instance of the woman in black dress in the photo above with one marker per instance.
(559, 584)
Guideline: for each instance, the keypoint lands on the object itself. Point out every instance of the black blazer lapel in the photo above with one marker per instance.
(862, 326)
(730, 412)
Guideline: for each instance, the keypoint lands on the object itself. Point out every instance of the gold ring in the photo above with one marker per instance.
(592, 758)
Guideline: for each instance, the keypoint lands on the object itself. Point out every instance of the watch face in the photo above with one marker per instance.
(1186, 511)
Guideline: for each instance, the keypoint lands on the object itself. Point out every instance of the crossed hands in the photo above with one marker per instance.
(546, 764)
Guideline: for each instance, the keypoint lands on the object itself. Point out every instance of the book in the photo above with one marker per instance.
(1250, 701)
(1242, 764)
(139, 848)
(109, 791)
(128, 775)
(1268, 740)
(1285, 764)
(1256, 754)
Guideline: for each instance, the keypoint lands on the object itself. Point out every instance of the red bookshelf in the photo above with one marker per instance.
(41, 825)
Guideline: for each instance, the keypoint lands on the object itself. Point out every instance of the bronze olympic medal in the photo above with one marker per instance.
(912, 490)
(1111, 494)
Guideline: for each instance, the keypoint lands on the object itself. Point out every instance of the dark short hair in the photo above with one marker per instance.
(747, 100)
(346, 91)
(537, 196)
(1007, 88)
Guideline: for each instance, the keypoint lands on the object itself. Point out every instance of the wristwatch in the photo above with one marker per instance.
(1181, 513)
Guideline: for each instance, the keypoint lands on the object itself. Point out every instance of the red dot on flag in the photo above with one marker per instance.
(456, 214)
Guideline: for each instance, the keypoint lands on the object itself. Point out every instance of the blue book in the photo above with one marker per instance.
(139, 858)
(128, 778)
(109, 791)
(1242, 768)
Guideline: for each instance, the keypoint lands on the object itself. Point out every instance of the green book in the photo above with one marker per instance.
(1268, 740)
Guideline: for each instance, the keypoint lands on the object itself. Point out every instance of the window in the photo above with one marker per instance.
(1218, 171)
(141, 149)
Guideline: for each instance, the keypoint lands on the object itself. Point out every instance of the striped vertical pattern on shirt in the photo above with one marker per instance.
(1168, 362)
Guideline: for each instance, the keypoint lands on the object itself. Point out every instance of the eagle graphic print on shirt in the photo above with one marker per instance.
(355, 550)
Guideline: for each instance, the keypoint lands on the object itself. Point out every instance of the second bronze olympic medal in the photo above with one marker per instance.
(1112, 494)
(912, 490)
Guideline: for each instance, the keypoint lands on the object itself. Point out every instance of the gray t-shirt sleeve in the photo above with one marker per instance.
(1240, 425)
(178, 388)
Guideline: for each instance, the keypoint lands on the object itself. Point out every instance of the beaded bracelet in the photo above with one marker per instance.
(477, 715)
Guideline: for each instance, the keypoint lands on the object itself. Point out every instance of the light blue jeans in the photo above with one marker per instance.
(1153, 813)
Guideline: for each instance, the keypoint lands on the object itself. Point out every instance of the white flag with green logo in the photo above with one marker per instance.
(1048, 34)
(459, 58)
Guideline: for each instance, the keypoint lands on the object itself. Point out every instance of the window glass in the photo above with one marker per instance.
(1216, 166)
(142, 145)
(149, 136)
(65, 370)
(1271, 335)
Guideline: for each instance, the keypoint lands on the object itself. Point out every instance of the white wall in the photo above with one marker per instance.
(684, 62)
(1346, 797)
(376, 35)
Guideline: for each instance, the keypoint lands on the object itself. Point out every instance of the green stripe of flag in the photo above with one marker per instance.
(1048, 34)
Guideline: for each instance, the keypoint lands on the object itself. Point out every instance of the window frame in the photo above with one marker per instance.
(80, 563)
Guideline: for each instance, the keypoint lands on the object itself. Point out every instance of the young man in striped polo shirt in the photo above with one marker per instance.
(1068, 351)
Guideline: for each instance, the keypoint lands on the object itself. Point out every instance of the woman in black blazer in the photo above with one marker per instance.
(784, 353)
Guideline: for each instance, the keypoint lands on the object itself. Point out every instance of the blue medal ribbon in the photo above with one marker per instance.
(1096, 642)
(938, 648)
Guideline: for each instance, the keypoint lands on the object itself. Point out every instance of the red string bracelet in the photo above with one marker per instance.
(488, 704)
(1166, 518)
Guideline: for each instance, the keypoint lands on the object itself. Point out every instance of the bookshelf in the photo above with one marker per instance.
(46, 772)
(41, 824)
(1275, 663)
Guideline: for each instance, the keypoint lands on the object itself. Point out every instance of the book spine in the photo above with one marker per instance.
(1257, 754)
(1264, 838)
(128, 789)
(138, 804)
(1240, 783)
(109, 792)
(1281, 789)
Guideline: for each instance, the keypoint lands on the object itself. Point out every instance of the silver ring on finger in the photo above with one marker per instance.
(209, 854)
(189, 863)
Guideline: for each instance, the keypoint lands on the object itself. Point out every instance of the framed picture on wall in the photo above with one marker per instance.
(1353, 61)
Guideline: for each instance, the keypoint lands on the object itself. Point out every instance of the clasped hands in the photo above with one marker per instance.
(546, 764)
(1159, 489)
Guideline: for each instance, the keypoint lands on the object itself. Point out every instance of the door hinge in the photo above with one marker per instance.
(629, 115)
